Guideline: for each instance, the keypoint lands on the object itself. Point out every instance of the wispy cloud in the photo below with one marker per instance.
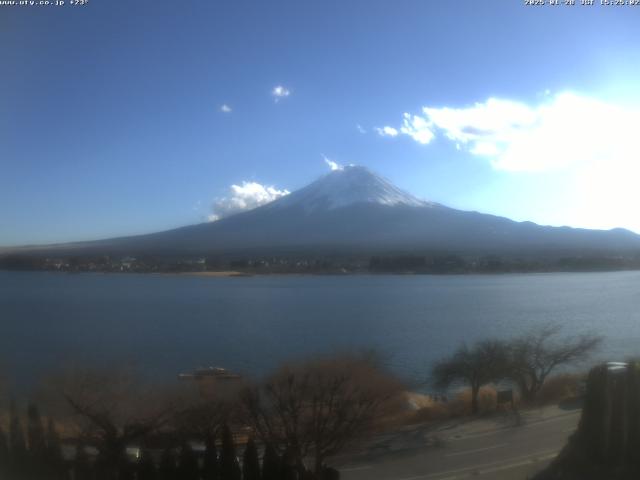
(331, 164)
(564, 129)
(247, 196)
(417, 128)
(279, 92)
(386, 131)
(588, 144)
(225, 108)
(360, 128)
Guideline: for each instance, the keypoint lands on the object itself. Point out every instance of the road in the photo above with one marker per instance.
(506, 453)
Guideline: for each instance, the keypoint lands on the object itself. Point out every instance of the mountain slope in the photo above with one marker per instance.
(354, 210)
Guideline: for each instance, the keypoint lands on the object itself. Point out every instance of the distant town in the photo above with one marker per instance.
(301, 264)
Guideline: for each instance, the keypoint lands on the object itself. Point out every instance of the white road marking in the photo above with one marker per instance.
(476, 450)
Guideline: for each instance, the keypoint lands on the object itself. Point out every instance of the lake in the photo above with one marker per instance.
(166, 324)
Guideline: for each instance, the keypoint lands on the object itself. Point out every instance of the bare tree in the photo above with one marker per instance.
(204, 411)
(113, 409)
(483, 363)
(202, 420)
(319, 408)
(536, 354)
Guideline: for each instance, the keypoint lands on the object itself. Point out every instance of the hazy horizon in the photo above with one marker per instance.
(231, 207)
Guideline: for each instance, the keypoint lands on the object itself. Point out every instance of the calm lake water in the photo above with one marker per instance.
(167, 324)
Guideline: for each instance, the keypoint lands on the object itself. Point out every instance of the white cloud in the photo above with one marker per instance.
(332, 165)
(244, 197)
(417, 128)
(586, 145)
(360, 128)
(279, 92)
(225, 108)
(563, 130)
(386, 131)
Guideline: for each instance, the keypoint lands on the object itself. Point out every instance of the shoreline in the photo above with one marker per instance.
(224, 273)
(233, 273)
(236, 273)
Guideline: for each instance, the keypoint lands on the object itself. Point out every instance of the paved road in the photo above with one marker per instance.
(512, 453)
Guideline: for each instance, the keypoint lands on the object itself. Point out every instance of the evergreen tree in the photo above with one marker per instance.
(168, 469)
(17, 445)
(250, 462)
(35, 434)
(270, 464)
(210, 467)
(188, 464)
(126, 469)
(4, 455)
(37, 447)
(146, 467)
(229, 466)
(103, 468)
(329, 473)
(287, 467)
(81, 465)
(53, 453)
(309, 475)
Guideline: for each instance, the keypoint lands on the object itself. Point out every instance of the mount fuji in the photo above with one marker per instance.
(347, 186)
(354, 211)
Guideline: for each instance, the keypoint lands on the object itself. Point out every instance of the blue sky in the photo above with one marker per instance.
(112, 118)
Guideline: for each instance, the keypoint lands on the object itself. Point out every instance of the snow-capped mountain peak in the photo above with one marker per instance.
(347, 186)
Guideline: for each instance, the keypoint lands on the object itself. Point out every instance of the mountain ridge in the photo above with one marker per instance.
(353, 209)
